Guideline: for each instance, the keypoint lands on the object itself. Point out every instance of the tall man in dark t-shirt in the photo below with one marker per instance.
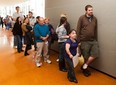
(87, 36)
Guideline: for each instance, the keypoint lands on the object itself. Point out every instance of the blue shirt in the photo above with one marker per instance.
(41, 31)
(73, 47)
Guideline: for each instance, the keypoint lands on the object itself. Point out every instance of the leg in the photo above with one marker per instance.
(45, 53)
(71, 74)
(15, 41)
(62, 65)
(19, 43)
(85, 49)
(38, 54)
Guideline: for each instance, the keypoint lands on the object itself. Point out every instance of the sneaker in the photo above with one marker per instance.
(48, 61)
(15, 47)
(38, 64)
(57, 60)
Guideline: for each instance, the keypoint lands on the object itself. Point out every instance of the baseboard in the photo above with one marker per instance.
(103, 72)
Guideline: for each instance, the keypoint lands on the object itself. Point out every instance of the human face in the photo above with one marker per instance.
(89, 11)
(41, 20)
(26, 20)
(30, 15)
(19, 19)
(17, 9)
(73, 34)
(46, 21)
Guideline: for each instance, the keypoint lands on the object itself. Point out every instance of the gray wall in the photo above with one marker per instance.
(105, 11)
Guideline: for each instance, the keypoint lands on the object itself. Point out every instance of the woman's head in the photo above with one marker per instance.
(73, 34)
(63, 20)
(18, 19)
(47, 20)
(26, 20)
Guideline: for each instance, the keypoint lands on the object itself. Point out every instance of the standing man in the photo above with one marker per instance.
(87, 35)
(17, 14)
(32, 21)
(41, 32)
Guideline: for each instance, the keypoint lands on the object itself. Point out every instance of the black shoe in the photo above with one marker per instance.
(86, 72)
(64, 70)
(22, 50)
(72, 80)
(75, 81)
(26, 54)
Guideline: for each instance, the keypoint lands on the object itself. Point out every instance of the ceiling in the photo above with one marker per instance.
(10, 2)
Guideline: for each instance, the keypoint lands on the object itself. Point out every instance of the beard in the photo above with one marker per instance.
(90, 14)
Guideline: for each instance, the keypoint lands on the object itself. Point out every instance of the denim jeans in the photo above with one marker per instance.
(70, 69)
(15, 41)
(61, 56)
(19, 42)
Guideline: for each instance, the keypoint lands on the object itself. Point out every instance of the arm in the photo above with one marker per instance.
(68, 51)
(36, 32)
(96, 31)
(24, 28)
(79, 29)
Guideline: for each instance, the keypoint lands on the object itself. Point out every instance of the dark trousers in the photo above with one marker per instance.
(61, 56)
(19, 42)
(70, 69)
(28, 47)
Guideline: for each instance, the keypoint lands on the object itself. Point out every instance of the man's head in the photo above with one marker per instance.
(41, 21)
(30, 14)
(17, 8)
(89, 10)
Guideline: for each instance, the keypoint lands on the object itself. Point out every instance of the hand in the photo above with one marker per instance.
(44, 38)
(71, 56)
(66, 36)
(79, 55)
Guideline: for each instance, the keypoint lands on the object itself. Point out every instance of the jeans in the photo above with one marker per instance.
(19, 42)
(61, 56)
(70, 69)
(15, 41)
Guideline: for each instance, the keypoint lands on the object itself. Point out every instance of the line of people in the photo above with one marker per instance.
(41, 33)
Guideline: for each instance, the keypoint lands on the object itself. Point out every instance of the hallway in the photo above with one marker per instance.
(16, 69)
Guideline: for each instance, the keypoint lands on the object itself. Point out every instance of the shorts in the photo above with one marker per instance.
(89, 48)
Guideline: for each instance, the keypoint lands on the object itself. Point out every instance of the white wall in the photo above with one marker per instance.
(105, 11)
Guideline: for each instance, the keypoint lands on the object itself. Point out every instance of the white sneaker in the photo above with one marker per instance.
(38, 64)
(15, 47)
(48, 61)
(57, 60)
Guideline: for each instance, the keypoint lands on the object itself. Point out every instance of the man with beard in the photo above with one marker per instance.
(87, 36)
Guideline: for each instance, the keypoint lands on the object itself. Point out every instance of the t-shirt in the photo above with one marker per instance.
(73, 47)
(15, 15)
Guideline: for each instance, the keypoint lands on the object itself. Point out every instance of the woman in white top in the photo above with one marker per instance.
(62, 36)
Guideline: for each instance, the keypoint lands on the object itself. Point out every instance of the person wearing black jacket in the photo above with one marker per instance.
(28, 35)
(17, 32)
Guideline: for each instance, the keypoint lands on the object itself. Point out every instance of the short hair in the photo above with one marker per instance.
(17, 7)
(37, 17)
(31, 12)
(71, 31)
(88, 6)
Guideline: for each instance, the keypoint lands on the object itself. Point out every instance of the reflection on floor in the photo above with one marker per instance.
(16, 69)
